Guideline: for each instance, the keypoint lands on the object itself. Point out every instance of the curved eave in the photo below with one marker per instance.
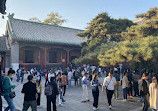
(42, 41)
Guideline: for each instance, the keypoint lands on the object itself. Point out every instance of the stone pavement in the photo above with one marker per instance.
(73, 101)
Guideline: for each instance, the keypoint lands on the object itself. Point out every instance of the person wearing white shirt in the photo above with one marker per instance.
(51, 74)
(109, 83)
(69, 78)
(85, 88)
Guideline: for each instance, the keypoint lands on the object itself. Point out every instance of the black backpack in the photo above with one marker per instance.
(48, 90)
(145, 88)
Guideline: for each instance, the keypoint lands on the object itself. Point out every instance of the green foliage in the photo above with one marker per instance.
(99, 31)
(102, 26)
(148, 28)
(143, 50)
(92, 57)
(52, 18)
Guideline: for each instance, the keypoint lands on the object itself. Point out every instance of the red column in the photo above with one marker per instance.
(68, 56)
(45, 57)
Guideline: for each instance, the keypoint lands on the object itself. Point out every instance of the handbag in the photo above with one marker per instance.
(12, 94)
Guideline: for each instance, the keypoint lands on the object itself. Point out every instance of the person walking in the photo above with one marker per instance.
(135, 84)
(51, 92)
(125, 83)
(18, 75)
(153, 91)
(64, 82)
(76, 76)
(60, 97)
(130, 85)
(9, 94)
(29, 89)
(39, 86)
(22, 74)
(109, 83)
(46, 78)
(51, 74)
(116, 88)
(95, 91)
(85, 88)
(144, 91)
(70, 74)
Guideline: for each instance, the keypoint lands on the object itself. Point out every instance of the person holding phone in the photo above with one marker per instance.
(8, 90)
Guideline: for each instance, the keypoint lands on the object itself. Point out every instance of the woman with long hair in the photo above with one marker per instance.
(153, 90)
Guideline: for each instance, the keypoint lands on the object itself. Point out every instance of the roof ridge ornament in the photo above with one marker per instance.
(11, 15)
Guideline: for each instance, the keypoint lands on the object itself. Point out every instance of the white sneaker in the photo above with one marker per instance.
(110, 107)
(94, 108)
(97, 108)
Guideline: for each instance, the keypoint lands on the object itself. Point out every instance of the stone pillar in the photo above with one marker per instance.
(15, 56)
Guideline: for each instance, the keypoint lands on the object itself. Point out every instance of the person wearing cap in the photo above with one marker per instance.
(109, 83)
(85, 88)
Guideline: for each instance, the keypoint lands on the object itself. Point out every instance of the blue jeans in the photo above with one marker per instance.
(62, 96)
(10, 104)
(125, 93)
(69, 83)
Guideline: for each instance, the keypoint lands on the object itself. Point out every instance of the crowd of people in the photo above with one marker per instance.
(143, 84)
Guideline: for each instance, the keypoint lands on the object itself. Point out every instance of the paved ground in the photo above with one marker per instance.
(73, 101)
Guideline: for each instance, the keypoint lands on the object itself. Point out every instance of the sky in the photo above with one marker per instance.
(77, 12)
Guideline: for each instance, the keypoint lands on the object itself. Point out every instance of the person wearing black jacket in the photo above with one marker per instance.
(29, 89)
(52, 98)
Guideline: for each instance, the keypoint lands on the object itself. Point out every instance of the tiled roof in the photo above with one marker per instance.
(22, 30)
(4, 44)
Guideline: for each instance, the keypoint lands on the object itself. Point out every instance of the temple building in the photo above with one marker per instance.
(39, 45)
(4, 54)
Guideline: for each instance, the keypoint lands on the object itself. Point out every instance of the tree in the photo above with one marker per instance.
(3, 6)
(52, 18)
(148, 28)
(143, 51)
(140, 46)
(100, 31)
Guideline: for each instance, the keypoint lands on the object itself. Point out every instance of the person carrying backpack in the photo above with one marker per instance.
(144, 91)
(51, 92)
